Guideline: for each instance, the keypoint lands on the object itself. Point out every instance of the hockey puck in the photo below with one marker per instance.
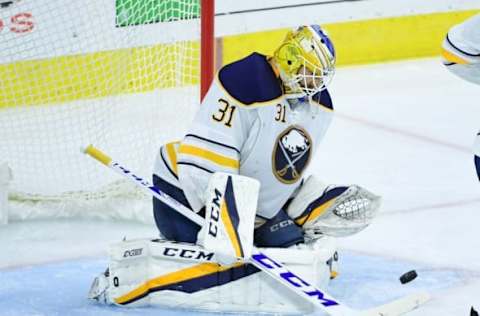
(408, 276)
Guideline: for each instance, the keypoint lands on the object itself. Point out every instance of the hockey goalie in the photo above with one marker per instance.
(243, 166)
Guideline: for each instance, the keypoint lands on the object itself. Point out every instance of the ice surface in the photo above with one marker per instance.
(60, 288)
(403, 130)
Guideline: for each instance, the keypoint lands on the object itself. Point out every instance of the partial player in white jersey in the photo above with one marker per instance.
(461, 55)
(263, 119)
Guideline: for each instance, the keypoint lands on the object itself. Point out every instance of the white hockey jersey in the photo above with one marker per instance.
(461, 55)
(461, 50)
(246, 126)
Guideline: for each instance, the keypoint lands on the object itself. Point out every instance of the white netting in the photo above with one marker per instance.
(114, 73)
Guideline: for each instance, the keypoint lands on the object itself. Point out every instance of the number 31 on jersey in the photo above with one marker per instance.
(225, 113)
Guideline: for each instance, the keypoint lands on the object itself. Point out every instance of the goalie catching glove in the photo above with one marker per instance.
(332, 210)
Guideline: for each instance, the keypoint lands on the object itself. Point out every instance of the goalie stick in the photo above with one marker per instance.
(275, 269)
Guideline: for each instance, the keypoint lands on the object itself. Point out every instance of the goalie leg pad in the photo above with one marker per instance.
(181, 275)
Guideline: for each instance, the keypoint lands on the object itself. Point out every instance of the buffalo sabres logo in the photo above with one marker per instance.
(291, 154)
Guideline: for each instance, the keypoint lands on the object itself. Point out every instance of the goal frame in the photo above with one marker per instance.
(207, 44)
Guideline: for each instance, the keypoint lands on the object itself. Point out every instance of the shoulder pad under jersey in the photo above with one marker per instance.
(250, 80)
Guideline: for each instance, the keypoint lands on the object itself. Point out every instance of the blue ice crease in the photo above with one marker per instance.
(61, 288)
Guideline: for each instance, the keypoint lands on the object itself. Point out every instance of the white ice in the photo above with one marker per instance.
(403, 130)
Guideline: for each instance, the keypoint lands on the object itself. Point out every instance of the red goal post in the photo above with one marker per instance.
(207, 45)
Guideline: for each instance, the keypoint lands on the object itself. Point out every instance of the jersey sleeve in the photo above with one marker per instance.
(461, 50)
(462, 43)
(212, 144)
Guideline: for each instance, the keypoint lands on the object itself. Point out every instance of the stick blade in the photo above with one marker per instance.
(400, 306)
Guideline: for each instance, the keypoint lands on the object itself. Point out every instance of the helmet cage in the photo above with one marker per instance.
(306, 60)
(311, 79)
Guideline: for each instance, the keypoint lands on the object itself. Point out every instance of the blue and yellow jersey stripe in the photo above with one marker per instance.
(455, 55)
(451, 54)
(171, 149)
(453, 58)
(209, 155)
(210, 142)
(169, 156)
(197, 149)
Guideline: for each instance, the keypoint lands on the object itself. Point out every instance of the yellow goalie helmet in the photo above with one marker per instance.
(306, 61)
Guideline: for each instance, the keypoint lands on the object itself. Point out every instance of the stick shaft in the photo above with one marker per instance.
(143, 183)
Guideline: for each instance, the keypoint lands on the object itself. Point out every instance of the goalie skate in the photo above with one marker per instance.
(99, 288)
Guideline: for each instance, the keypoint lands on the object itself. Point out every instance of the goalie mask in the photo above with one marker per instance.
(306, 61)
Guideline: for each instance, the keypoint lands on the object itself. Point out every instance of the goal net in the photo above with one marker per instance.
(121, 74)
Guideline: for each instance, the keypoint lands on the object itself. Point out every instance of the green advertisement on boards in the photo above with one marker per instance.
(139, 12)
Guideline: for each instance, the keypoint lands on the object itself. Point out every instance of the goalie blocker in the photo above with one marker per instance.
(230, 217)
